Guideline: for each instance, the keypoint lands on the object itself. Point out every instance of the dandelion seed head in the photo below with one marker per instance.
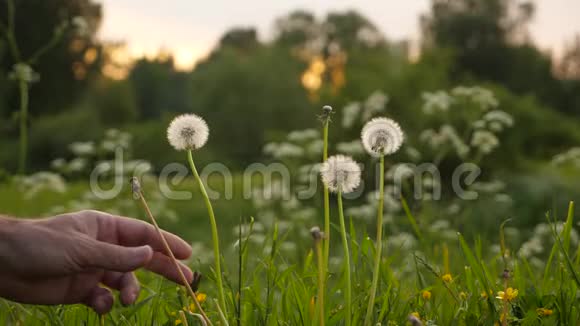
(382, 136)
(187, 132)
(316, 233)
(340, 173)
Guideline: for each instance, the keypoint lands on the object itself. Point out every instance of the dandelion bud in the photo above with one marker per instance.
(135, 187)
(317, 235)
(382, 136)
(340, 173)
(196, 280)
(326, 112)
(187, 132)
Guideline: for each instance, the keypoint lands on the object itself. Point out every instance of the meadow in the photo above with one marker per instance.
(274, 270)
(327, 175)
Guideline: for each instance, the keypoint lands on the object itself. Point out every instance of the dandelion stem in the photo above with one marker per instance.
(326, 203)
(23, 88)
(173, 259)
(378, 244)
(214, 233)
(321, 273)
(348, 295)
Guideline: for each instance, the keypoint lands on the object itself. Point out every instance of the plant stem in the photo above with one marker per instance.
(214, 233)
(379, 243)
(326, 203)
(348, 295)
(173, 259)
(23, 88)
(321, 273)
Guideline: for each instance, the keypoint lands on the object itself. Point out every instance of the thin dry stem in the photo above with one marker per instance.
(173, 259)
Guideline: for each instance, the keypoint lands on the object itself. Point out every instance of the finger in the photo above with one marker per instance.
(126, 283)
(131, 232)
(162, 265)
(100, 299)
(102, 255)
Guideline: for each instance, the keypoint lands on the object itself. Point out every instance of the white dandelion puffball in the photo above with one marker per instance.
(340, 173)
(382, 136)
(187, 132)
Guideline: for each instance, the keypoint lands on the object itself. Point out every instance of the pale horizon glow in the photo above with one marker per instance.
(189, 31)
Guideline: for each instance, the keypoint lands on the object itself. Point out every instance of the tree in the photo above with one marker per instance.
(490, 42)
(159, 87)
(69, 67)
(569, 66)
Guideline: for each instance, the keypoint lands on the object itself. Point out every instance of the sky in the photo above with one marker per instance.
(190, 30)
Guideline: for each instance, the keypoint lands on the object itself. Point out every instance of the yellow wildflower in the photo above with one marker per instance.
(544, 312)
(416, 315)
(509, 294)
(201, 297)
(463, 295)
(484, 294)
(426, 295)
(447, 278)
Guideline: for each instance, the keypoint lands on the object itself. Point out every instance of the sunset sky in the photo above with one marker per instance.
(189, 29)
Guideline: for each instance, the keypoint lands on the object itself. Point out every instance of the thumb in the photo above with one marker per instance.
(118, 258)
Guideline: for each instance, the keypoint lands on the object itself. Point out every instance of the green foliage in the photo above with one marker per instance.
(50, 136)
(64, 71)
(115, 103)
(234, 91)
(159, 88)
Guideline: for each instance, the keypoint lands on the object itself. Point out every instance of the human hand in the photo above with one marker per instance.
(66, 258)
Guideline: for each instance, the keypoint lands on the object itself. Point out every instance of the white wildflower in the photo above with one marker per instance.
(349, 114)
(187, 132)
(572, 156)
(490, 187)
(300, 136)
(315, 147)
(77, 164)
(481, 96)
(58, 164)
(283, 150)
(365, 212)
(439, 225)
(340, 173)
(399, 172)
(433, 102)
(479, 124)
(41, 181)
(484, 141)
(82, 148)
(352, 148)
(24, 72)
(402, 241)
(503, 198)
(413, 153)
(501, 117)
(375, 104)
(382, 136)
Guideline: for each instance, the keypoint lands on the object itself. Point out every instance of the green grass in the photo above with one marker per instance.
(268, 284)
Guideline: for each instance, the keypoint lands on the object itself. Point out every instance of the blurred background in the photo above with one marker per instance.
(257, 71)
